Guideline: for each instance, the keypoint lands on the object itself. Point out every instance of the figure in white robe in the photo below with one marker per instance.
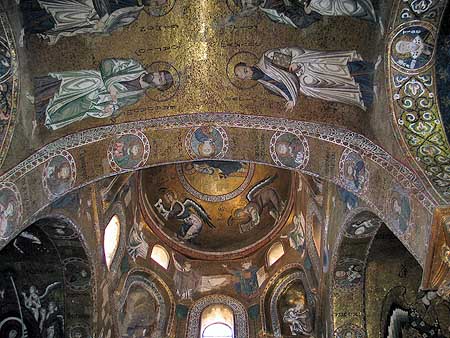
(303, 13)
(338, 76)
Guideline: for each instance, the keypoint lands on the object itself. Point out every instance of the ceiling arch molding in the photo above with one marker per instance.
(325, 143)
(413, 94)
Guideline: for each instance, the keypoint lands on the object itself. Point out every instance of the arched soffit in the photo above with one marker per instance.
(239, 313)
(323, 151)
(157, 289)
(9, 85)
(413, 90)
(71, 257)
(348, 263)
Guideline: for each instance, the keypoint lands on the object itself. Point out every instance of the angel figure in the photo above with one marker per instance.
(185, 278)
(33, 300)
(189, 212)
(260, 197)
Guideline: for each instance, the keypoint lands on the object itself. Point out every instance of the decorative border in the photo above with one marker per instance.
(212, 198)
(9, 37)
(239, 314)
(413, 100)
(145, 144)
(274, 154)
(73, 174)
(279, 289)
(77, 260)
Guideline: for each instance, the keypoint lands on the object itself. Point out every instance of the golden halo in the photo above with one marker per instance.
(166, 95)
(249, 59)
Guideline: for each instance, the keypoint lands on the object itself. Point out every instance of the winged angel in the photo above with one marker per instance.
(189, 212)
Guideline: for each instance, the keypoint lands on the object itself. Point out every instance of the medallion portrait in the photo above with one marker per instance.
(10, 209)
(128, 151)
(289, 150)
(206, 142)
(352, 172)
(399, 209)
(59, 174)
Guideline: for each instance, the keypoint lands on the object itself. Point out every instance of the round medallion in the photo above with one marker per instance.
(289, 150)
(77, 274)
(206, 142)
(412, 48)
(59, 174)
(349, 331)
(215, 181)
(128, 151)
(399, 209)
(352, 172)
(10, 209)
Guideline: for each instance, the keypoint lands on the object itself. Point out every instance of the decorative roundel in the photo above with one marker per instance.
(128, 151)
(80, 330)
(399, 209)
(412, 48)
(206, 142)
(289, 150)
(353, 173)
(77, 274)
(59, 174)
(349, 331)
(13, 327)
(10, 209)
(349, 273)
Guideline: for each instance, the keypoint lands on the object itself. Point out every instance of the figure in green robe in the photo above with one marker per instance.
(67, 97)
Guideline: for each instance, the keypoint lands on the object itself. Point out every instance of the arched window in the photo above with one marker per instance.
(217, 321)
(275, 252)
(160, 256)
(111, 239)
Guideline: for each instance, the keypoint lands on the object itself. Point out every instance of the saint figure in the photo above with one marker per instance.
(303, 13)
(338, 76)
(71, 96)
(299, 319)
(52, 19)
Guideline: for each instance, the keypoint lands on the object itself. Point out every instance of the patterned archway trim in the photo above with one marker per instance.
(277, 292)
(239, 313)
(413, 94)
(9, 87)
(346, 313)
(136, 278)
(269, 285)
(326, 143)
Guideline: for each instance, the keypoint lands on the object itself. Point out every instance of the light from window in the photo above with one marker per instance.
(160, 256)
(111, 240)
(218, 330)
(217, 321)
(275, 252)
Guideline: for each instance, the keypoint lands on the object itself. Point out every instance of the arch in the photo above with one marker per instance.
(160, 255)
(275, 289)
(217, 320)
(240, 316)
(329, 139)
(65, 288)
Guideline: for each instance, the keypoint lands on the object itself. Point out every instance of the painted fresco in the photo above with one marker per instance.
(128, 151)
(219, 206)
(62, 98)
(206, 142)
(339, 76)
(59, 175)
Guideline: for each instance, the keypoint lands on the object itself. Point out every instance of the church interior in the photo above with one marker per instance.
(224, 168)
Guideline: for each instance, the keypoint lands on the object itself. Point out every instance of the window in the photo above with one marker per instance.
(217, 322)
(275, 252)
(111, 239)
(160, 256)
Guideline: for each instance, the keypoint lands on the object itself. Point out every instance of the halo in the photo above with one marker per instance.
(164, 10)
(166, 95)
(246, 57)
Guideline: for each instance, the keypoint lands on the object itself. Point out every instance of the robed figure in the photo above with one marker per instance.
(53, 19)
(67, 97)
(338, 76)
(303, 13)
